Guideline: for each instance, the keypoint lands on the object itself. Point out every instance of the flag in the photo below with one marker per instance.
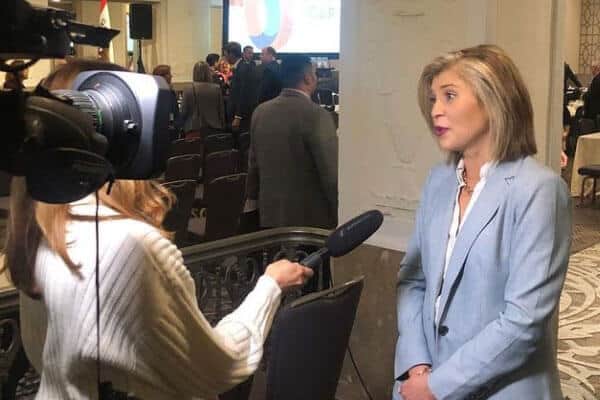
(105, 23)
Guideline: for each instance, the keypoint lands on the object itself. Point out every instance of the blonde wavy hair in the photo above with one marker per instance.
(31, 221)
(500, 90)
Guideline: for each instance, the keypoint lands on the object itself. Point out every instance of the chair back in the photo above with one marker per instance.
(182, 147)
(183, 167)
(224, 204)
(219, 164)
(308, 344)
(218, 142)
(177, 218)
(244, 148)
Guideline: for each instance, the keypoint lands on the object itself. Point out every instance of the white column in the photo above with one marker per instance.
(532, 32)
(386, 149)
(572, 32)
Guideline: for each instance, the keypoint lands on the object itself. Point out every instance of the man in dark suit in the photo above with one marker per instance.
(269, 73)
(293, 163)
(244, 86)
(248, 55)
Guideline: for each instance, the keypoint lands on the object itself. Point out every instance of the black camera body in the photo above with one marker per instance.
(69, 143)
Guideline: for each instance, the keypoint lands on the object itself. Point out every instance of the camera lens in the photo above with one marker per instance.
(115, 113)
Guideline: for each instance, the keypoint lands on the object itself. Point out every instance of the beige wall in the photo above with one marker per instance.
(385, 148)
(182, 33)
(216, 29)
(88, 12)
(532, 32)
(572, 30)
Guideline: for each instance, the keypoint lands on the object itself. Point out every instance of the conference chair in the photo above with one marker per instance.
(178, 217)
(218, 142)
(219, 164)
(308, 343)
(224, 198)
(183, 167)
(589, 172)
(182, 147)
(244, 148)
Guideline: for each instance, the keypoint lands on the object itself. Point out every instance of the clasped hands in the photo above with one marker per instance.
(416, 387)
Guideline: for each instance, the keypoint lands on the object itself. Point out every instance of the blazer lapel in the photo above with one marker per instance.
(441, 220)
(481, 214)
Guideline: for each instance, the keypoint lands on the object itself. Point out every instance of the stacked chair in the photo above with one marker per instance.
(207, 175)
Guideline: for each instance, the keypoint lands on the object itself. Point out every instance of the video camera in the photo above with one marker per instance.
(69, 143)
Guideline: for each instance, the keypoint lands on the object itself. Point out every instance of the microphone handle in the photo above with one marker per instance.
(313, 259)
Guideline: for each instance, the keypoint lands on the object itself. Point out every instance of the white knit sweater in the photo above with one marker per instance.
(155, 342)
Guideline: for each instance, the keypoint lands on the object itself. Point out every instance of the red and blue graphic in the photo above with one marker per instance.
(269, 22)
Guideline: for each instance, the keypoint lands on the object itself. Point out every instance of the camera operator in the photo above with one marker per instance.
(154, 341)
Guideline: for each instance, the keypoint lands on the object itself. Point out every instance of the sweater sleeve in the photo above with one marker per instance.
(177, 345)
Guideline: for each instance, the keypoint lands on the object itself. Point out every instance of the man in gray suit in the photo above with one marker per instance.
(293, 162)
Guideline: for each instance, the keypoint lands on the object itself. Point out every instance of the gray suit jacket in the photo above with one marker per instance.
(293, 163)
(496, 332)
(202, 107)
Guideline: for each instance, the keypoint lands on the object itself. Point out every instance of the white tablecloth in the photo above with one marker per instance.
(587, 153)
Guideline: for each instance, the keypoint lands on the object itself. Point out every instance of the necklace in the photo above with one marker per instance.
(468, 189)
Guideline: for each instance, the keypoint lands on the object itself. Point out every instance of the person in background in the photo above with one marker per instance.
(15, 80)
(244, 87)
(202, 109)
(224, 68)
(269, 74)
(248, 55)
(569, 75)
(164, 71)
(591, 105)
(212, 60)
(154, 340)
(294, 145)
(479, 286)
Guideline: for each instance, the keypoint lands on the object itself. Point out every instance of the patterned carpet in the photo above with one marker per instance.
(579, 327)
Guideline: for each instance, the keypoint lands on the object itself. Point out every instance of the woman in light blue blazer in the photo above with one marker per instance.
(479, 287)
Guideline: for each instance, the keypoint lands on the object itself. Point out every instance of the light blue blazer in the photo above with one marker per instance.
(496, 333)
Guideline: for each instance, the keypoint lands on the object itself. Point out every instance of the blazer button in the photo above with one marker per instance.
(443, 330)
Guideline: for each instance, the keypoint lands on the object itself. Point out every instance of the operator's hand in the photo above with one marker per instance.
(288, 275)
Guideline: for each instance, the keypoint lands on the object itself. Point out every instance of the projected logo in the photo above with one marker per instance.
(269, 21)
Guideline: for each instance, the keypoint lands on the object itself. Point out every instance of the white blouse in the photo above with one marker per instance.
(457, 223)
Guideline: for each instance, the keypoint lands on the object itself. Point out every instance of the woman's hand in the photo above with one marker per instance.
(417, 387)
(288, 274)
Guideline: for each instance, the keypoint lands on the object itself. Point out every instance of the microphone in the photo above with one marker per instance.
(346, 237)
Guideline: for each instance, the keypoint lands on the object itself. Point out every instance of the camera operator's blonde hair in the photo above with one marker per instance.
(31, 221)
(501, 92)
